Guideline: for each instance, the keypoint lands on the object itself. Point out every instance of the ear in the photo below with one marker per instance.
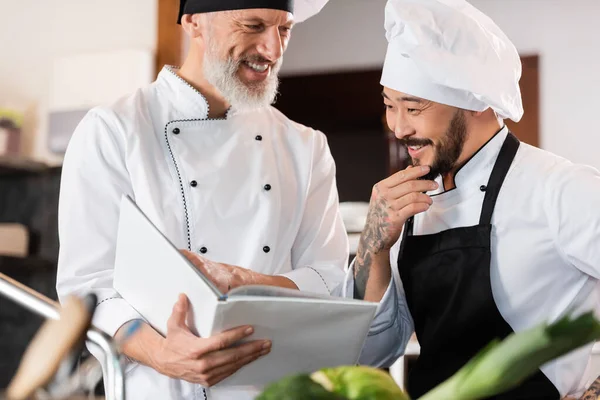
(192, 25)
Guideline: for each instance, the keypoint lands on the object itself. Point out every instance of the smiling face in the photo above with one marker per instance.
(433, 133)
(243, 54)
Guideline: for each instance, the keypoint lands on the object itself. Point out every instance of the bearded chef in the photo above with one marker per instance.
(483, 235)
(250, 194)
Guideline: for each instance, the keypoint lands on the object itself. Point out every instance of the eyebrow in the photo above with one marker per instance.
(252, 20)
(404, 98)
(260, 21)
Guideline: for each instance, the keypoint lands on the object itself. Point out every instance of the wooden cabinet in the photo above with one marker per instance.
(170, 35)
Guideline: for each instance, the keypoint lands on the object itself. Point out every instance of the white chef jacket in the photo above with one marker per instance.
(545, 248)
(254, 190)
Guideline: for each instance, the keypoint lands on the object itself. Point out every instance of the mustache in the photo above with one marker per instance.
(257, 58)
(415, 142)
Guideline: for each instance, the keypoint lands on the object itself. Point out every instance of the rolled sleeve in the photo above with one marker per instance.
(112, 313)
(310, 280)
(391, 327)
(390, 331)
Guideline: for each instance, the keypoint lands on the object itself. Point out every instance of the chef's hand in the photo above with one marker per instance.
(205, 361)
(227, 277)
(393, 201)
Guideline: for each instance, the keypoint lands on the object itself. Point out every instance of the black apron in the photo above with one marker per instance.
(446, 277)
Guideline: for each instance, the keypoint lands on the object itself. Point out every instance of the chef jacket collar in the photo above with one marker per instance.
(188, 103)
(477, 169)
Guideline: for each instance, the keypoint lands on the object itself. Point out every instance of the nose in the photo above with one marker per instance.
(400, 127)
(272, 45)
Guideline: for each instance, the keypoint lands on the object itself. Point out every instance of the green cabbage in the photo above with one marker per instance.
(297, 387)
(359, 383)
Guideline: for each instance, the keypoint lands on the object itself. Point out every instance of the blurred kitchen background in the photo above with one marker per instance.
(60, 58)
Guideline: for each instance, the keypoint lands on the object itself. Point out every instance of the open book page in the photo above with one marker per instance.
(150, 274)
(274, 291)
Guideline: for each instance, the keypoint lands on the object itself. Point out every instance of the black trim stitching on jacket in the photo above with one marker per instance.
(187, 219)
(321, 276)
(185, 208)
(109, 298)
(171, 69)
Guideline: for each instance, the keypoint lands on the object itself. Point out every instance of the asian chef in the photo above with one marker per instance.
(483, 235)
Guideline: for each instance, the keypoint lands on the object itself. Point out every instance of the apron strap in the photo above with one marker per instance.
(406, 232)
(501, 167)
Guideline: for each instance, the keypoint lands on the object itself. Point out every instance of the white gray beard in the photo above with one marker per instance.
(242, 96)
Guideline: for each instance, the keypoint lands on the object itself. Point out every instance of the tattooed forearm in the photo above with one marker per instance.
(372, 273)
(393, 201)
(362, 268)
(593, 393)
(376, 231)
(372, 241)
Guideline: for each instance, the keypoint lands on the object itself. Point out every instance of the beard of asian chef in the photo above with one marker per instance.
(242, 53)
(434, 134)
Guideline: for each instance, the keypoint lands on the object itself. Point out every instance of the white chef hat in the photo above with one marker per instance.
(448, 52)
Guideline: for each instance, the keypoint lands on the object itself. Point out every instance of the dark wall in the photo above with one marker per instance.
(348, 108)
(360, 158)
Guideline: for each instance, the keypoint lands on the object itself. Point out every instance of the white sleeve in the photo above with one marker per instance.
(94, 177)
(320, 250)
(572, 210)
(392, 326)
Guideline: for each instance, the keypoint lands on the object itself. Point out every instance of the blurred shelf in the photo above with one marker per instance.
(10, 165)
(18, 266)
